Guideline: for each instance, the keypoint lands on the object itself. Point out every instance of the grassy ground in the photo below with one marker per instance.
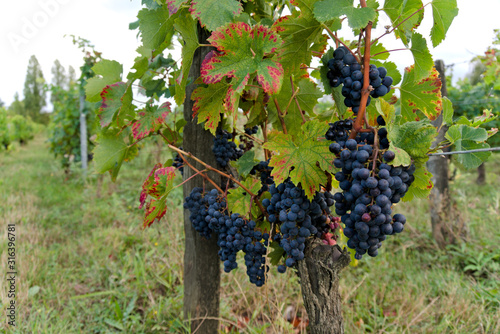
(85, 265)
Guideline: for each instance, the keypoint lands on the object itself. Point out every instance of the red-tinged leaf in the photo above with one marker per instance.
(215, 13)
(423, 95)
(174, 5)
(162, 182)
(112, 102)
(309, 157)
(231, 103)
(155, 210)
(209, 104)
(151, 119)
(244, 51)
(147, 183)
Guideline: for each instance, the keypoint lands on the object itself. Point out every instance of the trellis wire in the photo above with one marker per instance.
(469, 151)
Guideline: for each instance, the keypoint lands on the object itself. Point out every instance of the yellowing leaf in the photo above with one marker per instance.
(306, 153)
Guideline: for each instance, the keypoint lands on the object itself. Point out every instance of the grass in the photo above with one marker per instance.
(85, 265)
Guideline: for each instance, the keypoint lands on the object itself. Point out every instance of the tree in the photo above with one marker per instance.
(17, 107)
(59, 78)
(34, 93)
(253, 98)
(71, 75)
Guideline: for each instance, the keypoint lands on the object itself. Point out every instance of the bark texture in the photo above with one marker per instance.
(481, 174)
(201, 262)
(319, 274)
(442, 217)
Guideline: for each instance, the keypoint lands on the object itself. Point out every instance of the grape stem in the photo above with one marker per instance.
(294, 96)
(210, 168)
(365, 91)
(279, 116)
(375, 151)
(333, 36)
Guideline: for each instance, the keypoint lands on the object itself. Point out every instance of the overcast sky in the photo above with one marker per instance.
(37, 27)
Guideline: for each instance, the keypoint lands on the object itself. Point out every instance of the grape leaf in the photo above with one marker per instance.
(245, 51)
(208, 104)
(422, 57)
(447, 111)
(238, 200)
(187, 27)
(110, 152)
(415, 192)
(443, 13)
(150, 120)
(401, 15)
(402, 157)
(156, 28)
(486, 117)
(414, 137)
(423, 95)
(214, 14)
(245, 163)
(301, 34)
(155, 210)
(303, 152)
(387, 111)
(111, 102)
(357, 18)
(307, 97)
(147, 184)
(422, 178)
(469, 138)
(174, 5)
(107, 72)
(276, 254)
(377, 51)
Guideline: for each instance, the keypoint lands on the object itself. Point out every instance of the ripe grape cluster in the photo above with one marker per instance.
(344, 69)
(297, 218)
(224, 149)
(264, 171)
(178, 163)
(368, 191)
(208, 214)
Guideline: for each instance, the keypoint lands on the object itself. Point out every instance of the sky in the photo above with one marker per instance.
(37, 27)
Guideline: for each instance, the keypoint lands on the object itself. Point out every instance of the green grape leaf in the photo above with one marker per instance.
(402, 157)
(422, 178)
(107, 72)
(307, 96)
(422, 57)
(110, 152)
(401, 15)
(245, 163)
(415, 192)
(301, 35)
(469, 138)
(141, 64)
(423, 95)
(245, 51)
(308, 156)
(443, 13)
(276, 254)
(377, 51)
(156, 28)
(447, 111)
(187, 27)
(174, 5)
(214, 14)
(487, 116)
(414, 137)
(150, 120)
(209, 104)
(387, 111)
(239, 200)
(357, 18)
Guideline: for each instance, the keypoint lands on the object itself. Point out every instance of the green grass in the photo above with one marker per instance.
(85, 265)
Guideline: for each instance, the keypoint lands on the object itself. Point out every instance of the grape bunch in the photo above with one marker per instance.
(246, 143)
(264, 171)
(368, 192)
(340, 131)
(224, 149)
(178, 163)
(344, 69)
(297, 218)
(208, 214)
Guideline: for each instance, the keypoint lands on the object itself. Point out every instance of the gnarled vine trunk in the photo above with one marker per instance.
(201, 261)
(319, 274)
